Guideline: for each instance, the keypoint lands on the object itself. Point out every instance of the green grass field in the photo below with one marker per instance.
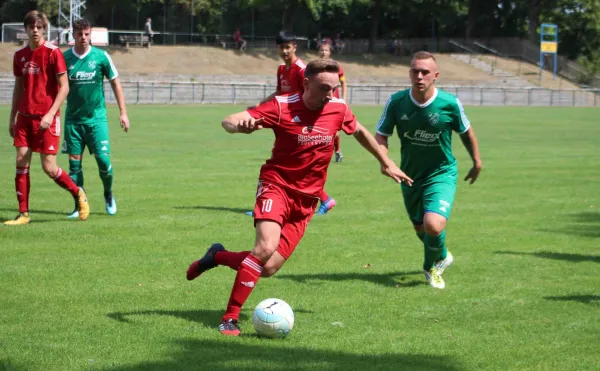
(110, 293)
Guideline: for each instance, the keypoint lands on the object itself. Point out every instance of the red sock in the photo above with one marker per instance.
(22, 186)
(230, 258)
(64, 180)
(336, 143)
(323, 196)
(245, 281)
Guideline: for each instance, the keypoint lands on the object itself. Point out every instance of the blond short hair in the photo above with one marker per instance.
(423, 55)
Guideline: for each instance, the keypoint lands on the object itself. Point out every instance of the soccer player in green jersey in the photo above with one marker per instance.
(86, 123)
(424, 118)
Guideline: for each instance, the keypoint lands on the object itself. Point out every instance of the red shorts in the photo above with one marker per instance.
(29, 134)
(291, 210)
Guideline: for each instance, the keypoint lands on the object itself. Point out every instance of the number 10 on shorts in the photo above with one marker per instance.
(267, 205)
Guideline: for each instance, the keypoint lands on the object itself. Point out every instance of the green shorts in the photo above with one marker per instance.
(94, 136)
(434, 195)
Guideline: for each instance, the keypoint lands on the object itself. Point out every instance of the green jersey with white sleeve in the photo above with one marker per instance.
(85, 102)
(425, 132)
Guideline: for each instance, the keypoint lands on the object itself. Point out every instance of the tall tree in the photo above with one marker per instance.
(15, 10)
(533, 16)
(481, 18)
(375, 18)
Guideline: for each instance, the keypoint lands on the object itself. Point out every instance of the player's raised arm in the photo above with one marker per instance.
(469, 140)
(388, 167)
(241, 122)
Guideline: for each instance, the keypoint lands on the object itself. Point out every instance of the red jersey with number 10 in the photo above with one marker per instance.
(303, 140)
(38, 69)
(291, 80)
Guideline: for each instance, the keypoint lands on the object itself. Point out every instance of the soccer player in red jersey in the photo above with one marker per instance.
(290, 79)
(290, 74)
(325, 53)
(41, 86)
(291, 180)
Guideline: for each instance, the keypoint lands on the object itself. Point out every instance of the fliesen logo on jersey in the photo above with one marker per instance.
(314, 135)
(84, 76)
(31, 68)
(422, 136)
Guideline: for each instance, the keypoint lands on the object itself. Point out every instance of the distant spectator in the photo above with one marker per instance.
(338, 44)
(397, 48)
(240, 43)
(148, 31)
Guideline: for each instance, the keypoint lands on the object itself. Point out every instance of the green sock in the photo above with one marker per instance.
(435, 249)
(105, 171)
(76, 172)
(421, 236)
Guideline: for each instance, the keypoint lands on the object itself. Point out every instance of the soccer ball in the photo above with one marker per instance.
(273, 318)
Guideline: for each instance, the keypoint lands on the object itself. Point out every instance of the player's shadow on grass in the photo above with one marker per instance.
(210, 318)
(35, 220)
(216, 208)
(583, 224)
(585, 299)
(228, 355)
(574, 258)
(34, 212)
(393, 279)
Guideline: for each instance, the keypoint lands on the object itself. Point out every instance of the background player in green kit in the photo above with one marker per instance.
(424, 118)
(86, 123)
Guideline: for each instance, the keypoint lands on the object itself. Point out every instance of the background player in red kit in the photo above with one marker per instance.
(325, 53)
(41, 87)
(290, 74)
(291, 180)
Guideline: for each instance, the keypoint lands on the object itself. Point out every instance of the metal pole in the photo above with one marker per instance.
(71, 14)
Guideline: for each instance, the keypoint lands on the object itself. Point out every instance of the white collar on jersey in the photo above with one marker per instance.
(435, 93)
(84, 54)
